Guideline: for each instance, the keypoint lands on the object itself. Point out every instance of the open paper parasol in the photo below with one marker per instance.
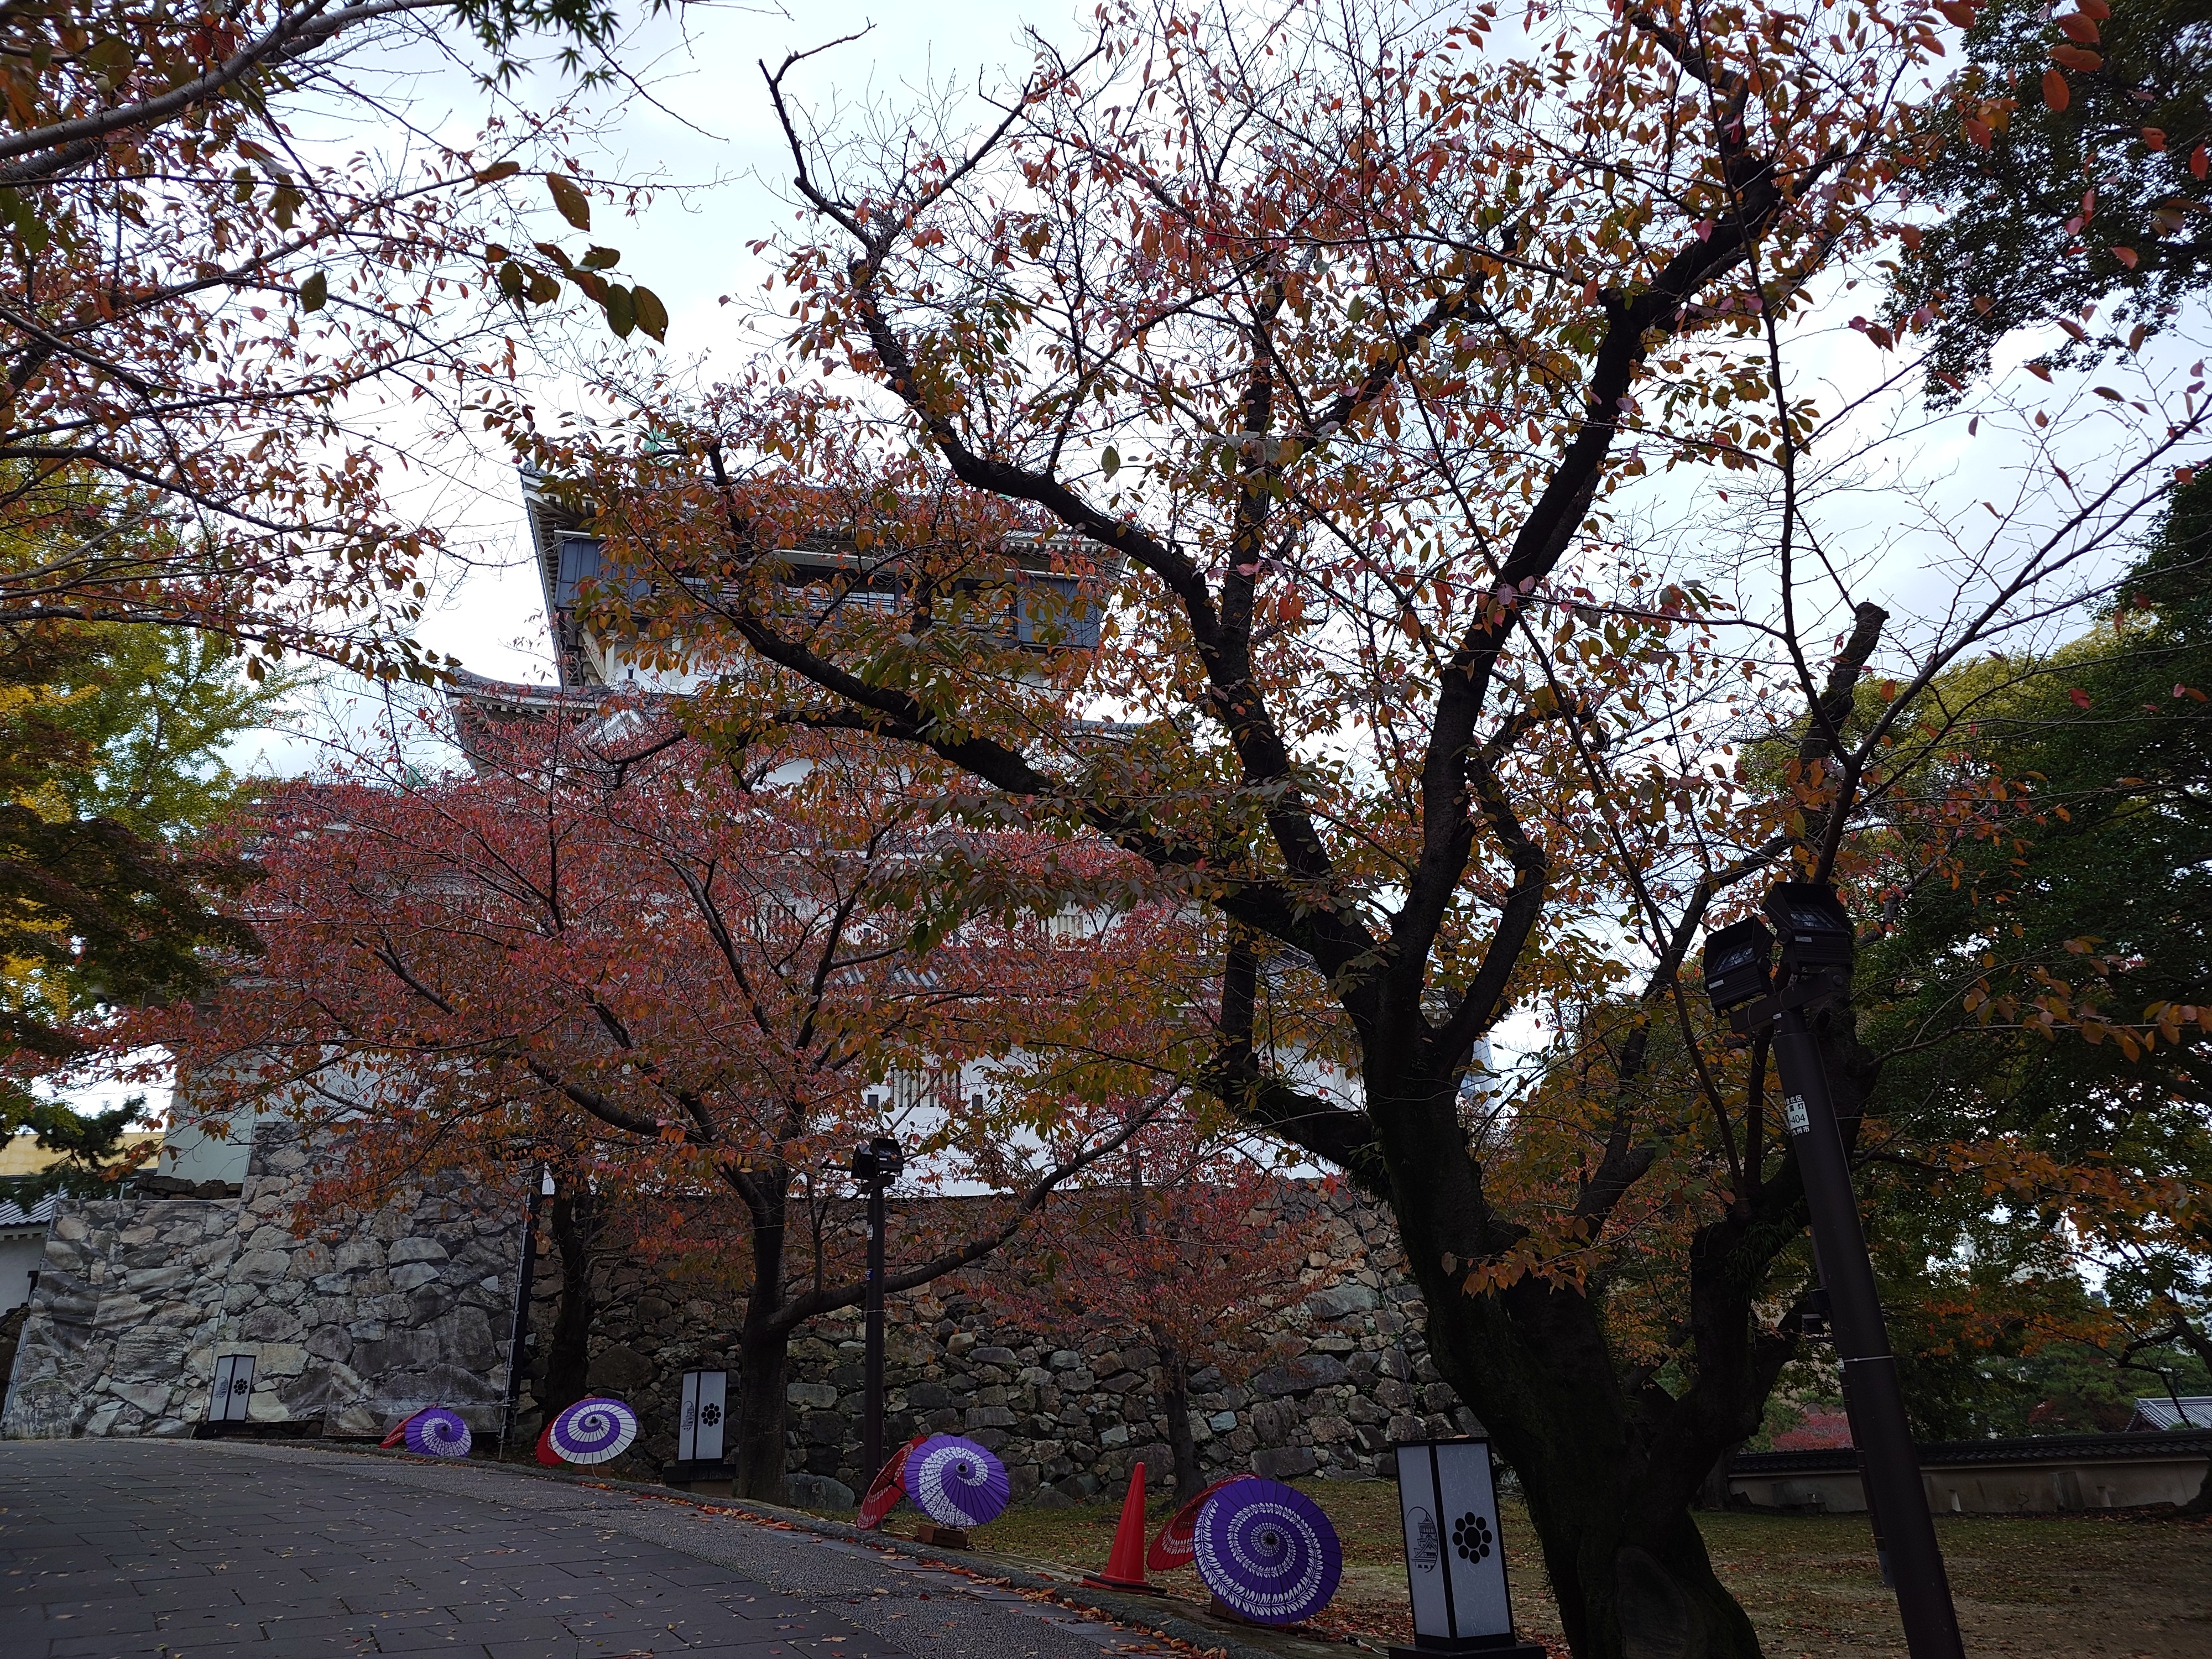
(956, 1482)
(1267, 1552)
(1173, 1547)
(438, 1432)
(887, 1487)
(592, 1430)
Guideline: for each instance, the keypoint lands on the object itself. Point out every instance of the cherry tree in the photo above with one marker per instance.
(606, 950)
(1345, 372)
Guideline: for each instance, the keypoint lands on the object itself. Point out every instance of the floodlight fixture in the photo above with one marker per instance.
(879, 1163)
(875, 1166)
(1737, 964)
(1816, 930)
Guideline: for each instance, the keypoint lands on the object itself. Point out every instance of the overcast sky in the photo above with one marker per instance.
(702, 119)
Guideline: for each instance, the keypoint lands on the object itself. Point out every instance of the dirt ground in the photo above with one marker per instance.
(2052, 1588)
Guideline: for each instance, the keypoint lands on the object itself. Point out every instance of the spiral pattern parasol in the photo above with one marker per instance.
(439, 1432)
(1267, 1552)
(592, 1430)
(956, 1482)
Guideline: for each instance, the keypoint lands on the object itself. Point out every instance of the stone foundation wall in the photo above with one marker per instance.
(136, 1297)
(352, 1328)
(1348, 1373)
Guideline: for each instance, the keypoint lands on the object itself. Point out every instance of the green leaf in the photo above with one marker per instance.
(651, 315)
(111, 57)
(622, 311)
(29, 225)
(315, 291)
(1109, 462)
(575, 207)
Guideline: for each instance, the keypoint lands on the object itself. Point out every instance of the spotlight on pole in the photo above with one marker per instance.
(1818, 949)
(1737, 964)
(876, 1165)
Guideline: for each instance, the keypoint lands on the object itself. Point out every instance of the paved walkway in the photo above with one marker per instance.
(187, 1550)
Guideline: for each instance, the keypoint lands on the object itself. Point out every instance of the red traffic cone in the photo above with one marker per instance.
(1125, 1568)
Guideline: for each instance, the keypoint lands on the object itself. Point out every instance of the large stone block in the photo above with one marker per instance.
(269, 1324)
(618, 1370)
(1303, 1375)
(427, 1303)
(413, 1275)
(1285, 1462)
(400, 1393)
(121, 1312)
(819, 1491)
(260, 1268)
(279, 1360)
(406, 1251)
(465, 1339)
(821, 1395)
(150, 1352)
(359, 1252)
(353, 1422)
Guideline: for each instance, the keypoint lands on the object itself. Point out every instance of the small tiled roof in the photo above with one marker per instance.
(2159, 1412)
(13, 1214)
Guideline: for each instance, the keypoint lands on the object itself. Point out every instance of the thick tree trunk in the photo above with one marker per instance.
(1611, 1461)
(1174, 1369)
(567, 1349)
(755, 1451)
(1610, 1476)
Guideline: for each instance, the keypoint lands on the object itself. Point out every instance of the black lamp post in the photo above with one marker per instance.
(518, 1329)
(875, 1166)
(1817, 950)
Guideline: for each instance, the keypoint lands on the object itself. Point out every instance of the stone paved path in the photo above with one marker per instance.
(190, 1550)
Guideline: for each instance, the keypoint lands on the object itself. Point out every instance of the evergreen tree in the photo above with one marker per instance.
(2069, 167)
(113, 740)
(2074, 902)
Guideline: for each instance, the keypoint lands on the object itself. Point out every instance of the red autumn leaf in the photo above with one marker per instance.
(2054, 89)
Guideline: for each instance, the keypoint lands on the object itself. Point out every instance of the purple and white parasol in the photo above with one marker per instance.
(438, 1432)
(956, 1482)
(1267, 1552)
(592, 1430)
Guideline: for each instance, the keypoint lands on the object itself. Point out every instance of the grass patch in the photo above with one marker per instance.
(2071, 1586)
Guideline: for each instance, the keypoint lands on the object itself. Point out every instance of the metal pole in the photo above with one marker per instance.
(1872, 1398)
(519, 1328)
(872, 1408)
